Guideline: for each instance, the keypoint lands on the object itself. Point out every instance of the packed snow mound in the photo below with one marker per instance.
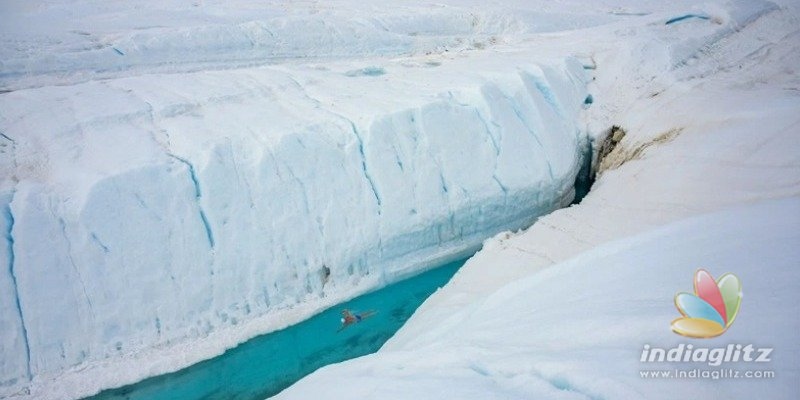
(577, 330)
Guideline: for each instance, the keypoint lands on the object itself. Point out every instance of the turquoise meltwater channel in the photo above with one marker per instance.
(267, 364)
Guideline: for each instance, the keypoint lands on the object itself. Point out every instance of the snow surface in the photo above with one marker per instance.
(179, 179)
(576, 330)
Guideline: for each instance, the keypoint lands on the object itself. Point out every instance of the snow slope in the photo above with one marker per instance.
(709, 128)
(577, 329)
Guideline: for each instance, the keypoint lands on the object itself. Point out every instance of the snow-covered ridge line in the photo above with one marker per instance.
(159, 220)
(244, 44)
(40, 47)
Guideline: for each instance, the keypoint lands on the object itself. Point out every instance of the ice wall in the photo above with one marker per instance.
(145, 212)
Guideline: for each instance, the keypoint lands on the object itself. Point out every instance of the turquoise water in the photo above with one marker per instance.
(265, 365)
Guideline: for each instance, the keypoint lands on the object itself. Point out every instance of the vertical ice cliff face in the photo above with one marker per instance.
(143, 213)
(14, 340)
(14, 348)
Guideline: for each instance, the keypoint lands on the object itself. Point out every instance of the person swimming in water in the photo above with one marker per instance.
(349, 318)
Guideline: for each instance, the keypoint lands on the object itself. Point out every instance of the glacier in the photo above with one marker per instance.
(156, 218)
(705, 177)
(177, 178)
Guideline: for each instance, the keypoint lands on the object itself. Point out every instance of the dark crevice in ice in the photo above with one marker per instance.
(9, 236)
(364, 169)
(198, 195)
(685, 17)
(585, 178)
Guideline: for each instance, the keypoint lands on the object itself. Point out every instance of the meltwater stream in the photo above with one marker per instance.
(265, 365)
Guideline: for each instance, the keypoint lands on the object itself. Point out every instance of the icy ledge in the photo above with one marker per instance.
(152, 222)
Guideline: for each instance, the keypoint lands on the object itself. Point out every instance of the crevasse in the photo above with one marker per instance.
(305, 202)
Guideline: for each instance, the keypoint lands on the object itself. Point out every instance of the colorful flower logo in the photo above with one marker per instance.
(711, 309)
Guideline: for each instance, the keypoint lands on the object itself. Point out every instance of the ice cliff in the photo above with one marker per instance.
(182, 213)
